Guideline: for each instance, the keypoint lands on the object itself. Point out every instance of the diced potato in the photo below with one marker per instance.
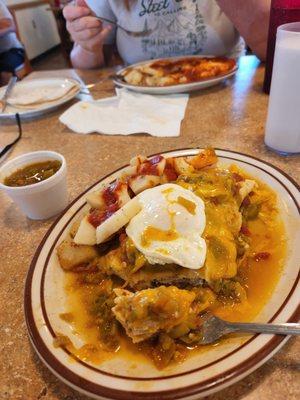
(128, 171)
(142, 182)
(183, 79)
(182, 166)
(166, 81)
(74, 228)
(119, 219)
(122, 195)
(204, 159)
(152, 81)
(95, 199)
(71, 255)
(153, 166)
(117, 189)
(134, 77)
(146, 69)
(137, 160)
(86, 233)
(169, 173)
(161, 166)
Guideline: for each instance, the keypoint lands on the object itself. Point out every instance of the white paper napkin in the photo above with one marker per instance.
(128, 113)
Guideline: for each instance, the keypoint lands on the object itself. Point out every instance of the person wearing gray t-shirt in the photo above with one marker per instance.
(11, 50)
(176, 28)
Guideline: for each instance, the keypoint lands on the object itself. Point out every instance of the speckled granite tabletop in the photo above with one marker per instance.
(230, 116)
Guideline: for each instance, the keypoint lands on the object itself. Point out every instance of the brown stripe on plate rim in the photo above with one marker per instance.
(218, 380)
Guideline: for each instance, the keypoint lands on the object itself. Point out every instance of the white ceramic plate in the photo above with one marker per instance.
(41, 109)
(199, 375)
(173, 89)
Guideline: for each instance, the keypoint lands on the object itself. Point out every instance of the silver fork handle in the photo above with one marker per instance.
(130, 33)
(106, 20)
(107, 78)
(279, 329)
(9, 87)
(110, 22)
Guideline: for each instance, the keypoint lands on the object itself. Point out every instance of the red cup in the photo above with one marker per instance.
(282, 12)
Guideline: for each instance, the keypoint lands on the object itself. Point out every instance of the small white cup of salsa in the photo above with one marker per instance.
(39, 200)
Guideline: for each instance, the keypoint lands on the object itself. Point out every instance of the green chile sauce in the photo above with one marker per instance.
(33, 173)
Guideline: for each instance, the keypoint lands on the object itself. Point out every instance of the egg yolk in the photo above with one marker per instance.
(151, 234)
(189, 205)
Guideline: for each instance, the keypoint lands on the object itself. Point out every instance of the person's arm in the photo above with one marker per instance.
(85, 59)
(251, 19)
(88, 35)
(6, 26)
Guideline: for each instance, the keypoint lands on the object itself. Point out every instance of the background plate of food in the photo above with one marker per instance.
(36, 97)
(176, 75)
(116, 292)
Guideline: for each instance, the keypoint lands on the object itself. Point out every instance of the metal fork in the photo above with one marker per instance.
(145, 32)
(114, 75)
(9, 88)
(214, 328)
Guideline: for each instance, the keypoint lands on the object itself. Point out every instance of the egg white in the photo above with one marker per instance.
(162, 211)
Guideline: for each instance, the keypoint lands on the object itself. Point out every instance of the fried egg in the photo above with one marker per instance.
(169, 226)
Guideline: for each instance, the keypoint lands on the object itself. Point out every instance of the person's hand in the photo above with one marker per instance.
(6, 26)
(86, 30)
(5, 23)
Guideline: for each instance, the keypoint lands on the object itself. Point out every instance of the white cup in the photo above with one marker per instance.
(40, 200)
(283, 121)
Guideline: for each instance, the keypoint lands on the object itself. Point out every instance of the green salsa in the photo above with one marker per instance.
(33, 173)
